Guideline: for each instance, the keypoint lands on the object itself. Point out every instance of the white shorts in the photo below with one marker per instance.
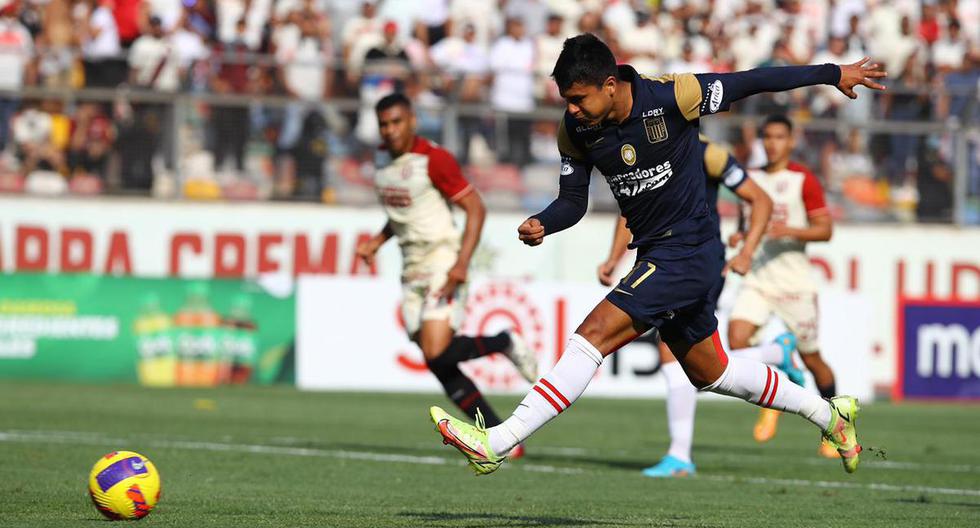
(798, 311)
(421, 302)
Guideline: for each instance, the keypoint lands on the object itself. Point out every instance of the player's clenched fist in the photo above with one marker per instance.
(531, 232)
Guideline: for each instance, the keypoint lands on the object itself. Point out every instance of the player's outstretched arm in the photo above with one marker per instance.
(708, 93)
(621, 240)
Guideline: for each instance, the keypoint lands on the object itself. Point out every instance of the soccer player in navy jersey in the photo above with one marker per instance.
(721, 168)
(642, 135)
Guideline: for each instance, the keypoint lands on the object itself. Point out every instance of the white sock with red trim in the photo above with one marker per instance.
(551, 395)
(770, 353)
(682, 400)
(767, 387)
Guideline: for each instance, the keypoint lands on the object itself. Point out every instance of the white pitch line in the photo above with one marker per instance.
(88, 438)
(877, 486)
(877, 464)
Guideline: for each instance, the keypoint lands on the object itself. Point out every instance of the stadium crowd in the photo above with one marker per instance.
(258, 78)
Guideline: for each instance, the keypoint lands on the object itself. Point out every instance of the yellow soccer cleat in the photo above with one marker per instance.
(842, 432)
(471, 440)
(765, 426)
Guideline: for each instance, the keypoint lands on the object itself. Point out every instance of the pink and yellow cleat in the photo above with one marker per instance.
(471, 440)
(842, 432)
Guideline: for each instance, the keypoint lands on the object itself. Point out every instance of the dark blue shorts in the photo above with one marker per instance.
(674, 289)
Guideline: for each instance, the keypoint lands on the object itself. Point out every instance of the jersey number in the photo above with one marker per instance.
(639, 267)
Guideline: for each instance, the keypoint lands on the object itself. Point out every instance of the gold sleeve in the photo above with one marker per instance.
(687, 91)
(715, 159)
(565, 145)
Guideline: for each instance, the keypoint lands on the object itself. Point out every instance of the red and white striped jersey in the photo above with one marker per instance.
(781, 265)
(417, 190)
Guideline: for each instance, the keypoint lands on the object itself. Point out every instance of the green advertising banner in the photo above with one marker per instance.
(158, 332)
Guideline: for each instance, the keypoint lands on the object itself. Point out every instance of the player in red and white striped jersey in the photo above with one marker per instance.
(418, 184)
(780, 282)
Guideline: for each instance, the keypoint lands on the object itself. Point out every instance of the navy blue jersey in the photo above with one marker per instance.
(652, 161)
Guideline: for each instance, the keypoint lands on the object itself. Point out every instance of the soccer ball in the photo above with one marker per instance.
(124, 485)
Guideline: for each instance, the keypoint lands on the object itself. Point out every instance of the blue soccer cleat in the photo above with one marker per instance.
(794, 373)
(670, 466)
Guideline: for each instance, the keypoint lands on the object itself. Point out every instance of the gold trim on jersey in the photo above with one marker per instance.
(687, 92)
(715, 159)
(565, 145)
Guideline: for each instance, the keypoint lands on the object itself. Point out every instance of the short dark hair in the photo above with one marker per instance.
(584, 59)
(391, 101)
(777, 119)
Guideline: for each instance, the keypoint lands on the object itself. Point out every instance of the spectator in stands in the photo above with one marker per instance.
(367, 25)
(533, 13)
(828, 99)
(643, 38)
(435, 15)
(201, 17)
(512, 65)
(949, 52)
(386, 68)
(230, 123)
(16, 66)
(34, 132)
(934, 183)
(547, 47)
(687, 62)
(91, 144)
(101, 49)
(127, 14)
(153, 64)
(305, 76)
(467, 67)
(54, 47)
(905, 101)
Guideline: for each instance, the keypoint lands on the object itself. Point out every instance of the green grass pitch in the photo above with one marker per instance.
(253, 456)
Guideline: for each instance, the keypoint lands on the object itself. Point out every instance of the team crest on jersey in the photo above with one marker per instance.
(629, 154)
(656, 128)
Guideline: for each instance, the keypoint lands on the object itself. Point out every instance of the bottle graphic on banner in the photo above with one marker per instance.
(241, 339)
(157, 363)
(197, 328)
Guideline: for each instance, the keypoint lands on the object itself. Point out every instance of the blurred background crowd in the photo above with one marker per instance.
(272, 99)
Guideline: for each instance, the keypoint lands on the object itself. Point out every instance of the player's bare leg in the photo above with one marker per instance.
(681, 405)
(739, 334)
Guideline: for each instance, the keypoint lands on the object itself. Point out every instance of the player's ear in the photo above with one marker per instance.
(609, 86)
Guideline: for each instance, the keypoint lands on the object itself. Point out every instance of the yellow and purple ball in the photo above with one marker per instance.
(124, 485)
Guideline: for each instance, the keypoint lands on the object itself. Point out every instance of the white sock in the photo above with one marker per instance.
(681, 403)
(770, 353)
(551, 395)
(767, 387)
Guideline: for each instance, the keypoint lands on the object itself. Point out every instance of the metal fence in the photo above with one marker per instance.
(877, 166)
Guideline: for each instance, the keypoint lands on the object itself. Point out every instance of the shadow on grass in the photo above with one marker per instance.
(483, 520)
(932, 501)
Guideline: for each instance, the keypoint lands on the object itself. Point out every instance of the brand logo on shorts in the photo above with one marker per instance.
(629, 154)
(566, 167)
